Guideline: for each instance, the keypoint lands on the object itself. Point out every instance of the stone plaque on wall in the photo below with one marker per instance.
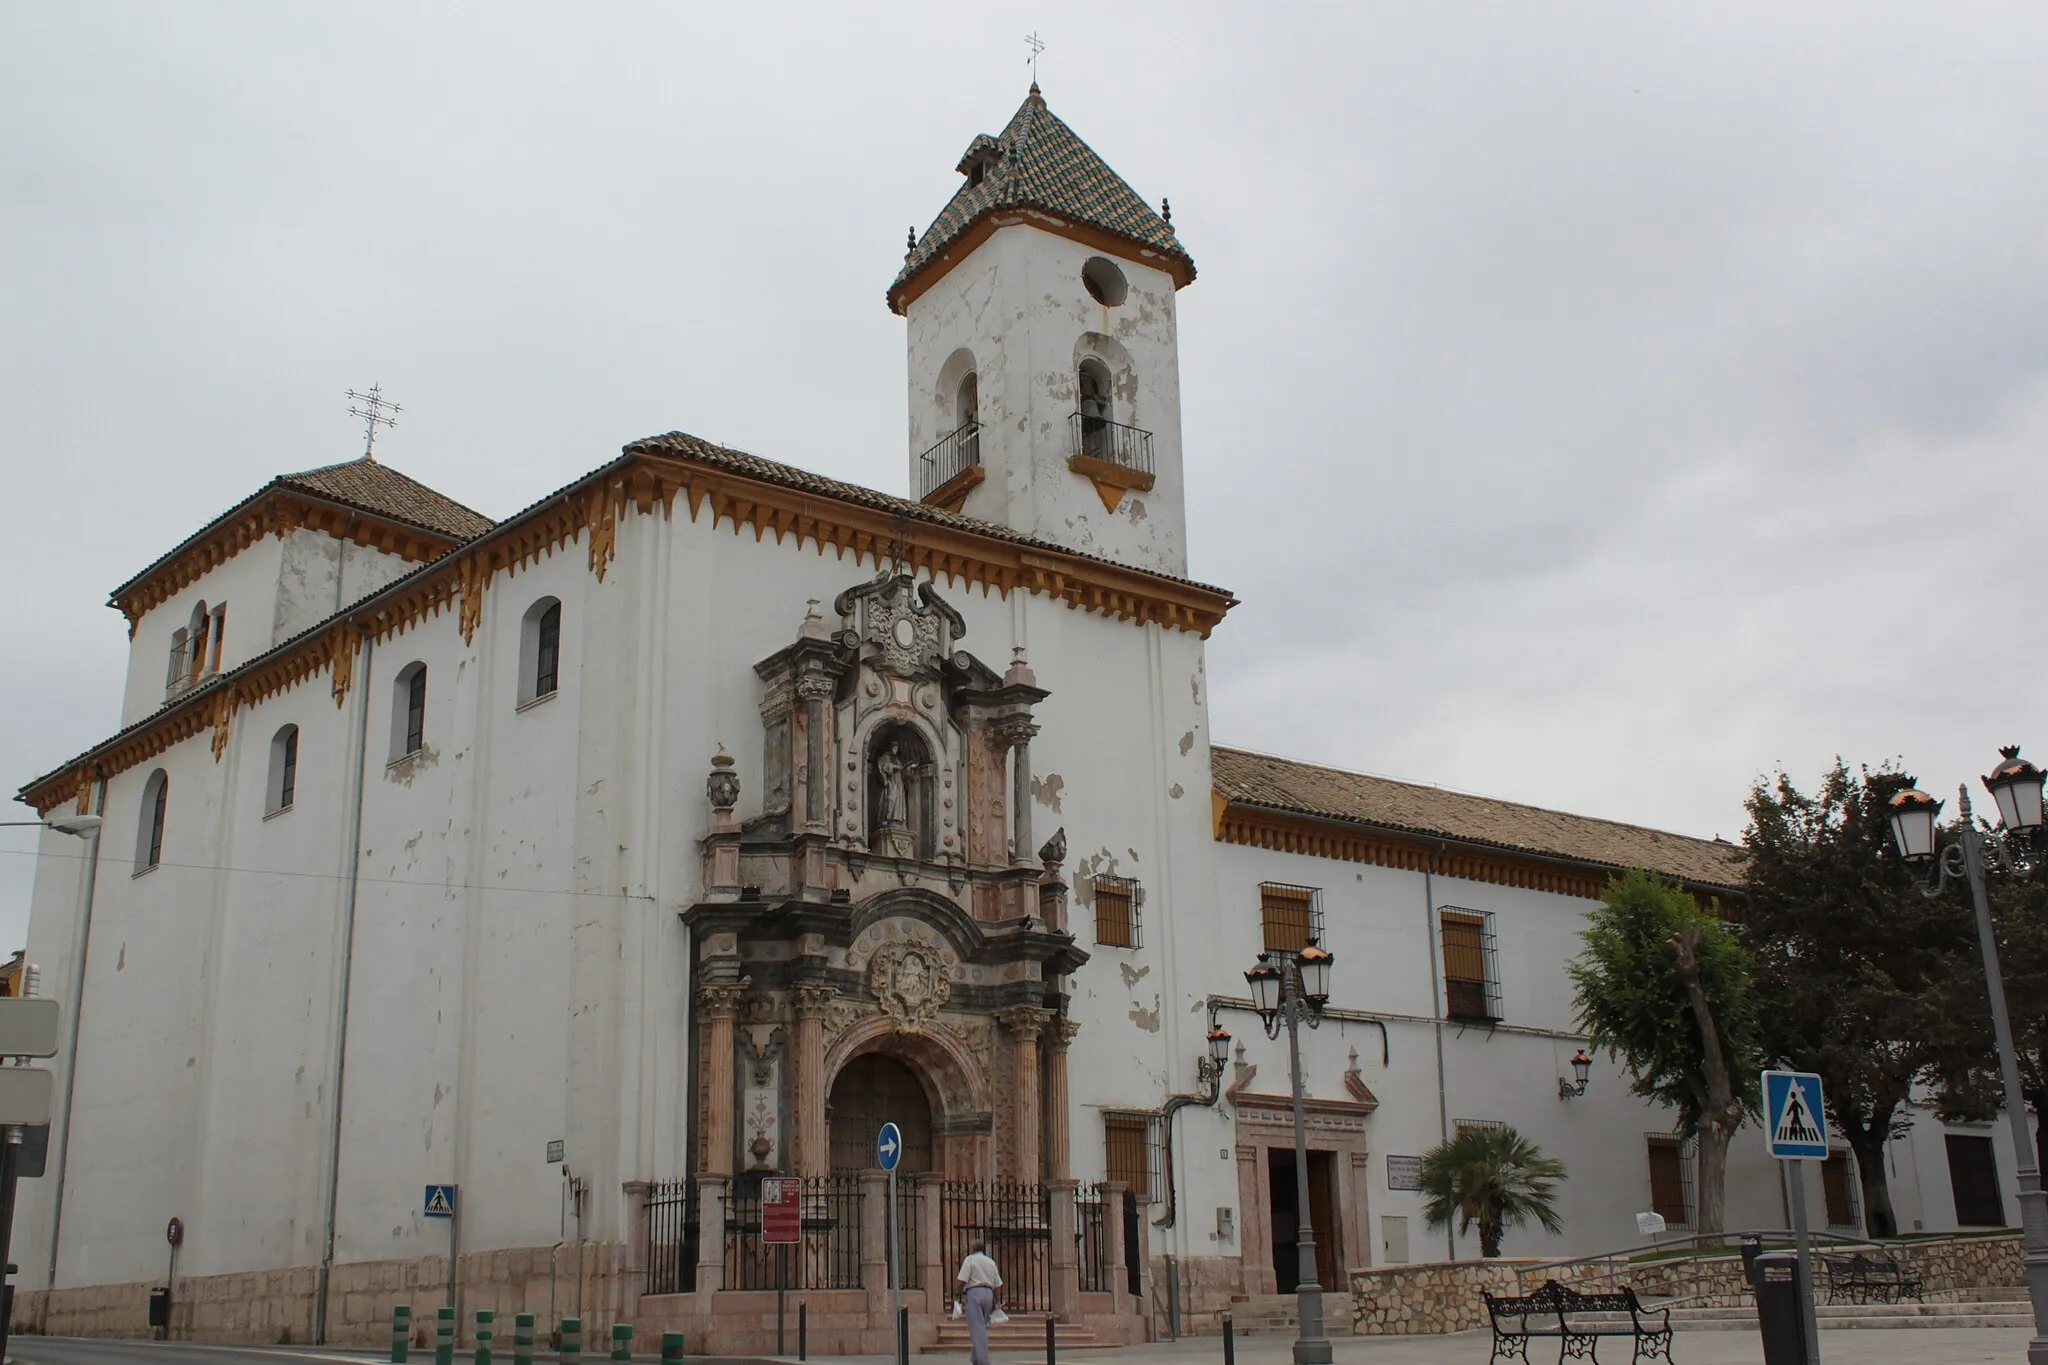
(1404, 1172)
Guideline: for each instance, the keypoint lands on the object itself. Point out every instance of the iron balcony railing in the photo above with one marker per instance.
(958, 450)
(1098, 438)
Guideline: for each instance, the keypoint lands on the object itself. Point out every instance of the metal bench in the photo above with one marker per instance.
(1868, 1279)
(1512, 1327)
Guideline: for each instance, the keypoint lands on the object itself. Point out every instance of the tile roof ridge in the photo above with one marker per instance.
(330, 468)
(1470, 795)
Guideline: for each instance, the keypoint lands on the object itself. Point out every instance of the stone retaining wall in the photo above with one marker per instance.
(1444, 1296)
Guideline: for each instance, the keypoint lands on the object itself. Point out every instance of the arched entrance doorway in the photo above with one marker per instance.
(871, 1090)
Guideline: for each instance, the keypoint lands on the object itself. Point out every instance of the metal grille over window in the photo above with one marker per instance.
(1471, 967)
(1670, 1178)
(1131, 1154)
(1290, 915)
(1838, 1185)
(1116, 912)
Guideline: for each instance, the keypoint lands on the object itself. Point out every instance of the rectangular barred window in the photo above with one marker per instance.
(1116, 911)
(1289, 915)
(1838, 1186)
(1130, 1144)
(1471, 971)
(1670, 1178)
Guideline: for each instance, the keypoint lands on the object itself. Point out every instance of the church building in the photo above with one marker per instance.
(578, 874)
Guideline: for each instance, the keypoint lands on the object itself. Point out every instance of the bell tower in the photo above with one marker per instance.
(1044, 353)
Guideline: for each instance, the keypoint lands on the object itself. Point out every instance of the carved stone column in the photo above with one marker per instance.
(1065, 1266)
(720, 1005)
(812, 1003)
(710, 1239)
(810, 810)
(1016, 732)
(1025, 1026)
(1059, 1156)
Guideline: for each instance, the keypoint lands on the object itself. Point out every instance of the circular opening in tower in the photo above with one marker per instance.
(1106, 284)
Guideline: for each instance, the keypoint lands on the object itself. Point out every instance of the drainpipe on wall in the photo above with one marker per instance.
(1436, 990)
(348, 936)
(81, 944)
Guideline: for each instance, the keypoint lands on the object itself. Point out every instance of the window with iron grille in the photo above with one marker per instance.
(1116, 912)
(1460, 1125)
(1838, 1184)
(1471, 968)
(1130, 1148)
(1290, 915)
(1671, 1162)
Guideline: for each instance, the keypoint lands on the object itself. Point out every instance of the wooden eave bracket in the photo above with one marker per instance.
(949, 495)
(1111, 481)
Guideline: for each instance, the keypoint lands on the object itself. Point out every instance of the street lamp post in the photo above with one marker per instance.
(1294, 990)
(2015, 785)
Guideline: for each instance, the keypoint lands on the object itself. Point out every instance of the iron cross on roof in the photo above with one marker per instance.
(1032, 41)
(372, 410)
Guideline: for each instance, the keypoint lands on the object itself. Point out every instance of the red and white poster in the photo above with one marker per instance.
(781, 1217)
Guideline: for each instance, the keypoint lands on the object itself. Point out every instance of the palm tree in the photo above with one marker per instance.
(1494, 1177)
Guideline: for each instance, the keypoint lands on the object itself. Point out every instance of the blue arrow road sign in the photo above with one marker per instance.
(1795, 1126)
(440, 1201)
(889, 1146)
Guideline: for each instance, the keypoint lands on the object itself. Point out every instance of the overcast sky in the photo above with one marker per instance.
(1593, 405)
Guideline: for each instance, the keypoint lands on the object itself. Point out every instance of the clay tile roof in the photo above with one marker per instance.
(1304, 788)
(686, 446)
(379, 488)
(1039, 162)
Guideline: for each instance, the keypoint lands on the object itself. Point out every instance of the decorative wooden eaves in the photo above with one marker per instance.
(951, 495)
(643, 483)
(1259, 827)
(278, 513)
(1179, 268)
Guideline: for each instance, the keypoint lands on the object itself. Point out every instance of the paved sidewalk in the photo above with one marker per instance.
(1858, 1346)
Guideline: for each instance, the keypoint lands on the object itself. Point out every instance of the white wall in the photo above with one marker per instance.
(247, 583)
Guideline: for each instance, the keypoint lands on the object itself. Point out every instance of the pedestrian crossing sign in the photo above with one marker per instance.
(440, 1201)
(1795, 1126)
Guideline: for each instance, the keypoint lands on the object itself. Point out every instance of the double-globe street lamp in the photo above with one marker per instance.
(1294, 990)
(2015, 785)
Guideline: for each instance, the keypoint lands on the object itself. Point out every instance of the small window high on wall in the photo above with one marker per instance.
(540, 650)
(1289, 916)
(409, 712)
(149, 830)
(1471, 970)
(284, 771)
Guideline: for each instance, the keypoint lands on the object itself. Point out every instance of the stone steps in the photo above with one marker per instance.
(1023, 1332)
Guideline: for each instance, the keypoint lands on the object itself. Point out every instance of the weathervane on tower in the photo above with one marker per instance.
(374, 406)
(1032, 41)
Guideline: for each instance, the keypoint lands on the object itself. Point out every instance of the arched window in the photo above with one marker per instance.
(1097, 412)
(198, 635)
(540, 650)
(284, 771)
(149, 830)
(409, 711)
(969, 425)
(180, 642)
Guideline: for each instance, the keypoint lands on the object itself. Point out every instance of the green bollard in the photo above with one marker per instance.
(484, 1318)
(622, 1342)
(444, 1336)
(522, 1339)
(401, 1333)
(572, 1342)
(671, 1348)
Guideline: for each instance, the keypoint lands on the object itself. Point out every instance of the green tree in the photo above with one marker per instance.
(1492, 1177)
(1854, 968)
(1664, 985)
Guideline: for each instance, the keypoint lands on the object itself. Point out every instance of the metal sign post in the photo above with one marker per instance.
(781, 1227)
(1795, 1131)
(889, 1150)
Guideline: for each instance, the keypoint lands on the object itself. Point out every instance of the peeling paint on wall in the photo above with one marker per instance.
(402, 770)
(1145, 1019)
(1132, 975)
(1046, 791)
(1176, 791)
(1187, 743)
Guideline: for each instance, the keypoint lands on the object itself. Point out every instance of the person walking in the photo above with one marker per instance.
(979, 1279)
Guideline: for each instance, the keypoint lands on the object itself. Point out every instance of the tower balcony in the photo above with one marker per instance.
(1117, 458)
(950, 469)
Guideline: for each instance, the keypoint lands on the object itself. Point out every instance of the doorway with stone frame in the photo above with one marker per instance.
(1336, 1141)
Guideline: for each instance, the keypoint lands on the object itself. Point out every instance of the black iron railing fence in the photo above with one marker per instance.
(909, 1223)
(957, 450)
(1013, 1221)
(672, 1237)
(826, 1257)
(1098, 438)
(1091, 1239)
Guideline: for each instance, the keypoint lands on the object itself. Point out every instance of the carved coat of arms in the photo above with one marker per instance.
(910, 982)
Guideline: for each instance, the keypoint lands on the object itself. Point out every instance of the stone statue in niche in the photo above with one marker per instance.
(899, 794)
